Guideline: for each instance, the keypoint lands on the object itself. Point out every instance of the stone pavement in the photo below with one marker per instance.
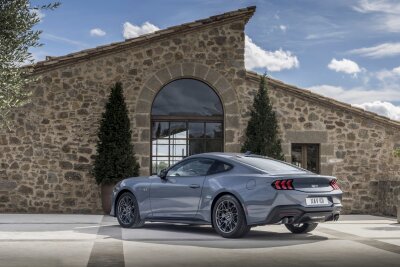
(95, 240)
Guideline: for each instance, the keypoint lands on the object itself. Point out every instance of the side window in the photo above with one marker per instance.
(195, 167)
(219, 166)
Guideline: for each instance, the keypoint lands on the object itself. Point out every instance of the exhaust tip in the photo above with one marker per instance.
(287, 220)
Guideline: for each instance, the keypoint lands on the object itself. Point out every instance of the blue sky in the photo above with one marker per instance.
(345, 49)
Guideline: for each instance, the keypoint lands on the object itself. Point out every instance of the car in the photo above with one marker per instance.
(231, 192)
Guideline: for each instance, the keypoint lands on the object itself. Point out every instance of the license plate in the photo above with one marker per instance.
(317, 201)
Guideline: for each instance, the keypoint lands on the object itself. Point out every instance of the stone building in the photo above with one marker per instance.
(187, 92)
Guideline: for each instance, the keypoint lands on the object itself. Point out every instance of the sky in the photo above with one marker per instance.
(345, 49)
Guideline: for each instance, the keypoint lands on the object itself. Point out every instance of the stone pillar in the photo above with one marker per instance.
(398, 213)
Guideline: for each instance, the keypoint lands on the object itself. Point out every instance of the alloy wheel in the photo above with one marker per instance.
(126, 209)
(226, 216)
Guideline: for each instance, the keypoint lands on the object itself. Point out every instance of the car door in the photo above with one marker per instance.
(178, 194)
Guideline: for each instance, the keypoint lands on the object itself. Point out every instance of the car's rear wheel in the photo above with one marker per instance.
(301, 228)
(229, 219)
(128, 211)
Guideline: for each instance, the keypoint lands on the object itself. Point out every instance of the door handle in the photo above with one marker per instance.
(194, 186)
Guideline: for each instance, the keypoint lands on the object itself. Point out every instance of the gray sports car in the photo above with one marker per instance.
(231, 192)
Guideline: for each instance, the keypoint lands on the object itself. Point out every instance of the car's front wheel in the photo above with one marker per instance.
(127, 210)
(301, 228)
(228, 217)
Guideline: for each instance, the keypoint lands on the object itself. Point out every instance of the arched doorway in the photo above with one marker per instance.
(186, 119)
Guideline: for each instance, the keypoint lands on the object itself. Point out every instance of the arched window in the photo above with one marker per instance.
(186, 119)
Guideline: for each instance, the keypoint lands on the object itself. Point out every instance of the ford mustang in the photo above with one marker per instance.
(230, 192)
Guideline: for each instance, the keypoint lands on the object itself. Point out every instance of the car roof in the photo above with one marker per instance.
(228, 155)
(216, 155)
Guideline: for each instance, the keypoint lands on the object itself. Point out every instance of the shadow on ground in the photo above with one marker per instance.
(391, 227)
(204, 236)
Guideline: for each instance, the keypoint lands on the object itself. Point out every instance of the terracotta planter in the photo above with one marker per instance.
(106, 194)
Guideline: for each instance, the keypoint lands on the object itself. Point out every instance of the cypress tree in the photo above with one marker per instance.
(115, 159)
(262, 129)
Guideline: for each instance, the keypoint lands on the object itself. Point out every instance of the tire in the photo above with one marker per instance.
(127, 211)
(225, 210)
(301, 228)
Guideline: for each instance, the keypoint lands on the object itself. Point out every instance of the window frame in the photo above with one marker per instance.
(304, 159)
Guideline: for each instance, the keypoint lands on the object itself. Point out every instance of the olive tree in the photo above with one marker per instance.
(17, 36)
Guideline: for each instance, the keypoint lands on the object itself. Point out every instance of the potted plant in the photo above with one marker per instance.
(115, 158)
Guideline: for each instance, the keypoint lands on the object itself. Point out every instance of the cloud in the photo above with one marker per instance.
(52, 37)
(132, 31)
(382, 108)
(387, 13)
(385, 75)
(391, 23)
(38, 55)
(379, 89)
(256, 57)
(378, 51)
(344, 65)
(326, 35)
(357, 95)
(383, 6)
(39, 13)
(283, 28)
(97, 32)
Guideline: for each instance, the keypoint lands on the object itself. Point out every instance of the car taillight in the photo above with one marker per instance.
(283, 184)
(334, 185)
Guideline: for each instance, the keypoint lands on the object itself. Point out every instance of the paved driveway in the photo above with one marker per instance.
(92, 240)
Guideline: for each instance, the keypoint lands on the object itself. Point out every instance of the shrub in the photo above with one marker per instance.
(262, 129)
(115, 159)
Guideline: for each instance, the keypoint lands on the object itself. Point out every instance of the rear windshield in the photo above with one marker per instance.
(268, 165)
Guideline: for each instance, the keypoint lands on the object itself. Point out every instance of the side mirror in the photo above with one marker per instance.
(163, 173)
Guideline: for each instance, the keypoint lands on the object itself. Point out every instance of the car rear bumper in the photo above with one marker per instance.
(301, 214)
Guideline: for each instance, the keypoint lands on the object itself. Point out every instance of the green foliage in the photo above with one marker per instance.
(262, 129)
(397, 152)
(115, 159)
(17, 19)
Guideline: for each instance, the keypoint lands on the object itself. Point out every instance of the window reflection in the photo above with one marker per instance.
(160, 129)
(196, 146)
(296, 155)
(306, 156)
(187, 97)
(196, 129)
(313, 158)
(214, 130)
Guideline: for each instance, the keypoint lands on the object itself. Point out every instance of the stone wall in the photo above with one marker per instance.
(47, 157)
(388, 197)
(358, 150)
